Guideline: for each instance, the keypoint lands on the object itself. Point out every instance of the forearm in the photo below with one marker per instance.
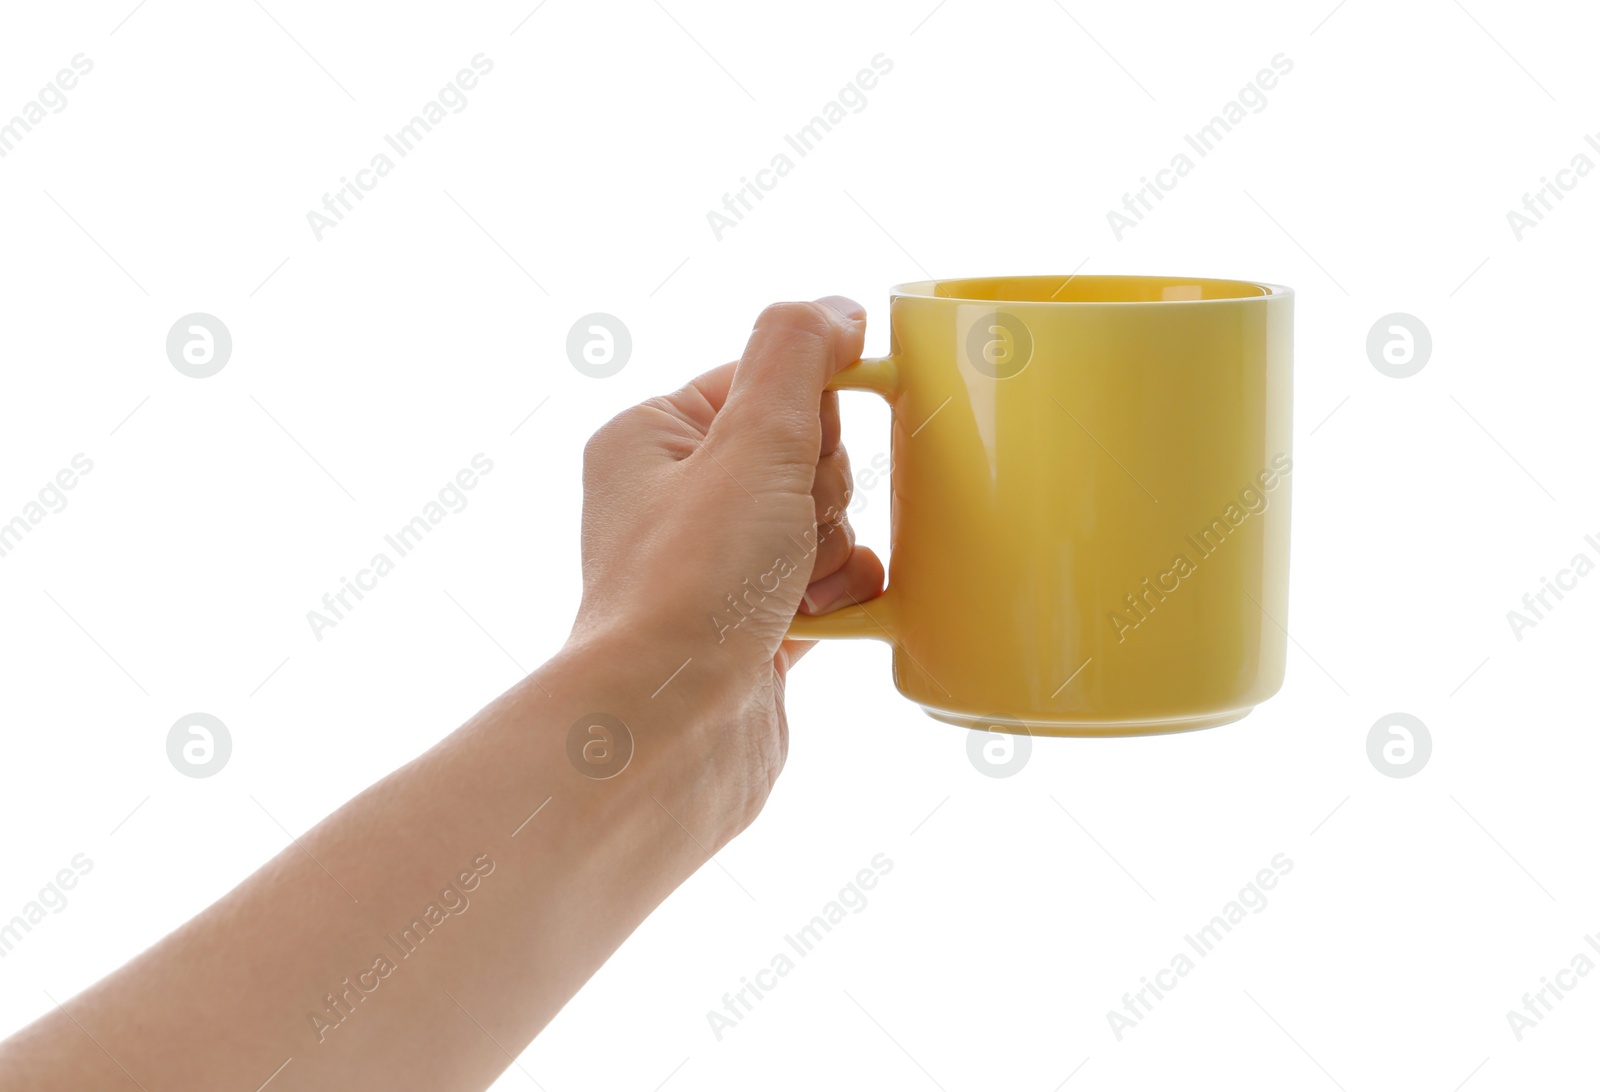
(421, 935)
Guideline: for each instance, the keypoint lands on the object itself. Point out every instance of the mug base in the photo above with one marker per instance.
(1048, 726)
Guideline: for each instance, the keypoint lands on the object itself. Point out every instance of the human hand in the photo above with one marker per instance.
(711, 516)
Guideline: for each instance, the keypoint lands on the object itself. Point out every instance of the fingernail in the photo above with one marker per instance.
(825, 594)
(846, 306)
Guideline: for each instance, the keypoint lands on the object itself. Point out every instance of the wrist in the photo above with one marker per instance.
(648, 724)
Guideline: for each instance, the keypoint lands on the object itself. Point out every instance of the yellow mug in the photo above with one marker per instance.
(1090, 510)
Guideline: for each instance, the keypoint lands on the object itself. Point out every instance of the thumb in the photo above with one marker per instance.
(772, 416)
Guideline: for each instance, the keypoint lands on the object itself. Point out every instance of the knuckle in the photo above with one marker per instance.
(832, 490)
(840, 466)
(812, 319)
(608, 436)
(833, 548)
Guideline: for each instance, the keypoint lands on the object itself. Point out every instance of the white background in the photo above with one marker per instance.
(370, 366)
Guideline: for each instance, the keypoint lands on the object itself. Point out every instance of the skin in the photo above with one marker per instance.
(686, 497)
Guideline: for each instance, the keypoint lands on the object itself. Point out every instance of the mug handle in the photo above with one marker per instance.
(873, 619)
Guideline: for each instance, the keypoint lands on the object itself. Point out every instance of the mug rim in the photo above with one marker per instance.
(928, 290)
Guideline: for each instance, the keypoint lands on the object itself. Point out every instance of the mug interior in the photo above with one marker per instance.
(1087, 289)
